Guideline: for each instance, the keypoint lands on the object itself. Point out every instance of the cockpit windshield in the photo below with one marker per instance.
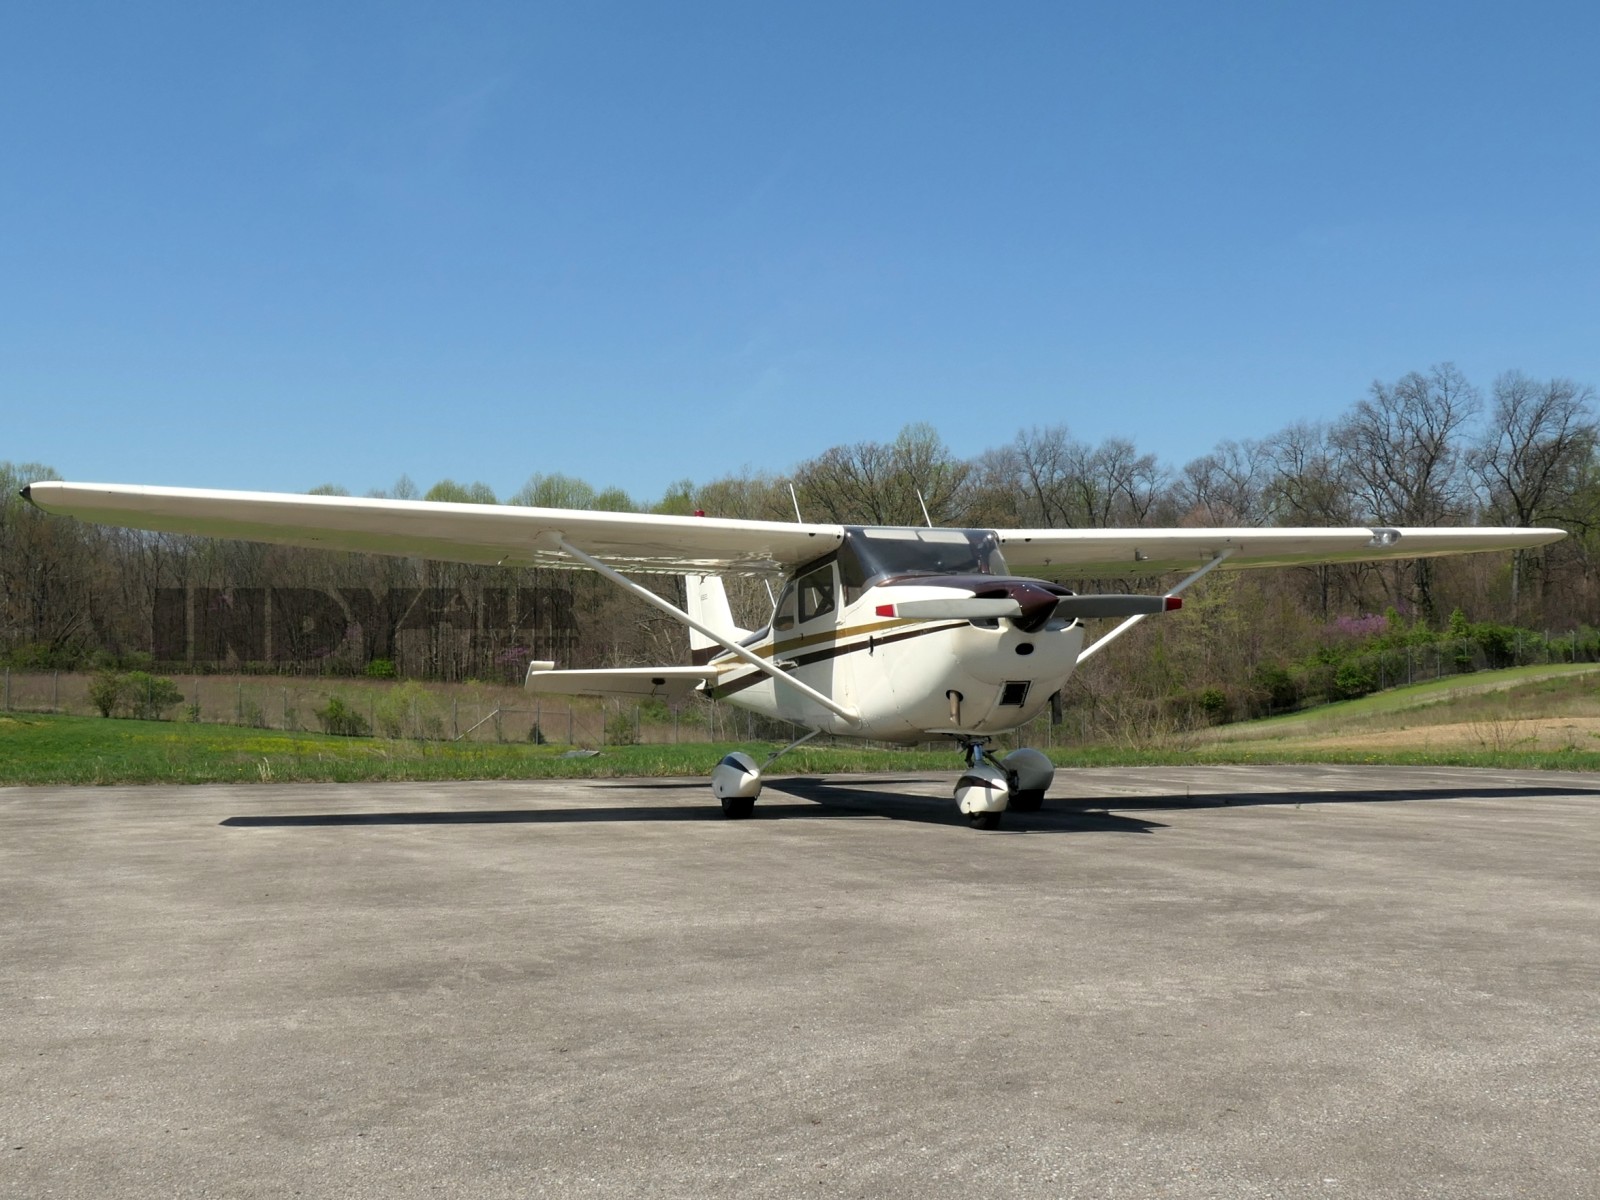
(871, 552)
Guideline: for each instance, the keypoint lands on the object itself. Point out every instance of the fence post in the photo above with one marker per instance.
(8, 689)
(638, 733)
(455, 717)
(569, 724)
(284, 722)
(55, 690)
(238, 704)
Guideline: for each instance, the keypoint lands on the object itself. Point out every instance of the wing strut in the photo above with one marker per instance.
(728, 644)
(1101, 643)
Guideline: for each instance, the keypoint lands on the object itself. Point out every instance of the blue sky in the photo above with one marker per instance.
(277, 245)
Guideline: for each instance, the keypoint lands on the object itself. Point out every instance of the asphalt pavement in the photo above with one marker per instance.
(1209, 982)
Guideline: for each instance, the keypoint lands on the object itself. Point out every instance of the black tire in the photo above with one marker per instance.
(982, 820)
(736, 808)
(1026, 801)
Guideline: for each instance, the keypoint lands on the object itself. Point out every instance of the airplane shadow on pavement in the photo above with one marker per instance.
(827, 800)
(821, 801)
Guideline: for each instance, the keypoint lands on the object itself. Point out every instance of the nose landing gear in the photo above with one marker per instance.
(990, 785)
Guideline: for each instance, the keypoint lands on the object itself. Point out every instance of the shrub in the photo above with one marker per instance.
(409, 702)
(339, 718)
(105, 691)
(1499, 643)
(1213, 702)
(620, 729)
(380, 668)
(148, 696)
(137, 693)
(1278, 687)
(1353, 678)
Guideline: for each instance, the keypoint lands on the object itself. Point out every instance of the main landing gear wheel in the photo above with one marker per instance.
(737, 782)
(984, 820)
(1026, 801)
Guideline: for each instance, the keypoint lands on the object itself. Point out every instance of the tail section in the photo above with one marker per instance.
(707, 604)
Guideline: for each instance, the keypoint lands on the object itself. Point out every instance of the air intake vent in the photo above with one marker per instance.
(1014, 694)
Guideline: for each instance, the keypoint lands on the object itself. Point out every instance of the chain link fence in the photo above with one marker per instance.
(493, 713)
(433, 712)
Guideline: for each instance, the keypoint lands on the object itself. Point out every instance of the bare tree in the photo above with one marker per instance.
(877, 483)
(1533, 455)
(1033, 482)
(1227, 486)
(1401, 451)
(1126, 485)
(1303, 486)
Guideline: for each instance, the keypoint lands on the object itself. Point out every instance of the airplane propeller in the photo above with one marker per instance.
(1033, 613)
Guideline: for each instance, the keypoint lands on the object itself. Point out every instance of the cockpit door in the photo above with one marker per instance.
(817, 592)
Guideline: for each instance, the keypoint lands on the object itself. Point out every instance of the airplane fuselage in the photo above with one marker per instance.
(883, 626)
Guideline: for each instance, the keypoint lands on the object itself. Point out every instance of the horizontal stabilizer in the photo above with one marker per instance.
(669, 683)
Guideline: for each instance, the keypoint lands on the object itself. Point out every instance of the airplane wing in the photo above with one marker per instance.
(515, 536)
(1124, 552)
(669, 683)
(491, 534)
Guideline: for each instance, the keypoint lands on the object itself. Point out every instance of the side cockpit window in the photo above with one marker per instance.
(816, 594)
(783, 614)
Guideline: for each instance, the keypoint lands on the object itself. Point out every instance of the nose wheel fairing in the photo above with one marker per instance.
(991, 785)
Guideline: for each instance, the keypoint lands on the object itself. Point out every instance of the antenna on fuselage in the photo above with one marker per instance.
(796, 500)
(924, 504)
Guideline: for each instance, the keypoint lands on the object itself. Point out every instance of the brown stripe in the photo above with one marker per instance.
(723, 690)
(780, 649)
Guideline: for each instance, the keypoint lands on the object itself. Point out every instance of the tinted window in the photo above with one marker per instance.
(783, 614)
(816, 594)
(869, 553)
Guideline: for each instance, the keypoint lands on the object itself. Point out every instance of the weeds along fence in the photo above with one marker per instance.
(431, 712)
(501, 713)
(409, 709)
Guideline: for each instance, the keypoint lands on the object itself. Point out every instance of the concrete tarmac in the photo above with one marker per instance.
(1217, 982)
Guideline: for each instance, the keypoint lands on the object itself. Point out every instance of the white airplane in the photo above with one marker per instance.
(892, 634)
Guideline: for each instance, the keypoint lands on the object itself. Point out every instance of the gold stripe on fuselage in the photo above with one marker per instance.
(728, 682)
(815, 639)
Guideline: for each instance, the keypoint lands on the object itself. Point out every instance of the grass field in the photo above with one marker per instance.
(1529, 710)
(1529, 717)
(38, 748)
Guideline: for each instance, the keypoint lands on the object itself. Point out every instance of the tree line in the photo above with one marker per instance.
(1428, 448)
